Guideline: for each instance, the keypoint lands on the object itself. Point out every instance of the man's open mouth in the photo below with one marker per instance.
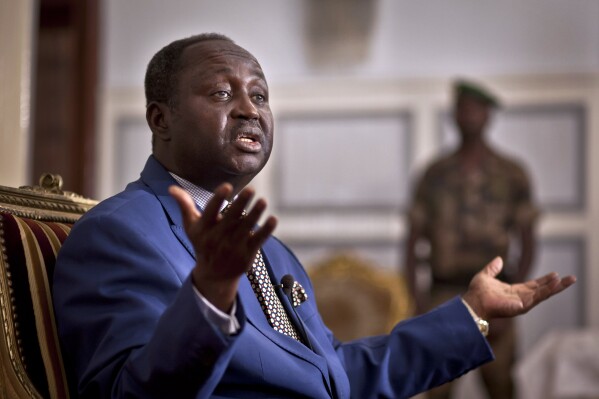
(249, 142)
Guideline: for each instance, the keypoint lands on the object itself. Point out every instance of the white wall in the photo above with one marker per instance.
(16, 28)
(410, 38)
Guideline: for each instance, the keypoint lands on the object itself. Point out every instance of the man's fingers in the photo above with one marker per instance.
(259, 236)
(239, 228)
(188, 207)
(494, 267)
(235, 211)
(238, 223)
(550, 284)
(254, 215)
(550, 278)
(544, 288)
(212, 210)
(568, 281)
(562, 284)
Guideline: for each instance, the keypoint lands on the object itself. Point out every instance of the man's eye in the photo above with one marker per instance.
(222, 95)
(259, 98)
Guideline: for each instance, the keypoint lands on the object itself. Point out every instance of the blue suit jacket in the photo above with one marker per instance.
(130, 324)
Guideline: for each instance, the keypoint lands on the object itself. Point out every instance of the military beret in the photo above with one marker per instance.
(464, 87)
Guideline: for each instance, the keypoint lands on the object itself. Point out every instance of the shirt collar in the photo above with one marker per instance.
(200, 196)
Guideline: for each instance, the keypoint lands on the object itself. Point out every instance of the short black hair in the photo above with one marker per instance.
(161, 78)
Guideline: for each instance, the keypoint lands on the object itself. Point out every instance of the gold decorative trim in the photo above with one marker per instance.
(45, 202)
(11, 335)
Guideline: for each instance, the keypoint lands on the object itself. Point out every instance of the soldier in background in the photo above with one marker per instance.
(469, 207)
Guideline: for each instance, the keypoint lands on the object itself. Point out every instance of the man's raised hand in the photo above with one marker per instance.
(225, 245)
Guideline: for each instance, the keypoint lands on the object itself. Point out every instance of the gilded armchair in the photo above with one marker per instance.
(34, 222)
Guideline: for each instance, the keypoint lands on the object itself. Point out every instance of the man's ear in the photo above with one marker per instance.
(158, 117)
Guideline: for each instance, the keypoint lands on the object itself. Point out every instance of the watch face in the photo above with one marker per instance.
(483, 326)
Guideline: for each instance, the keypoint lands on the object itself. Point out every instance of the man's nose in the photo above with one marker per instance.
(245, 108)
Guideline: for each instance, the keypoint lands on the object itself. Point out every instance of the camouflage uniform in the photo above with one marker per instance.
(468, 217)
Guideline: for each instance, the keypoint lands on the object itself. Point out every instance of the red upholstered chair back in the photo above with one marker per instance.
(34, 222)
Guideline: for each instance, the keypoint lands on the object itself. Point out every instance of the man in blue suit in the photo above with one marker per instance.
(158, 294)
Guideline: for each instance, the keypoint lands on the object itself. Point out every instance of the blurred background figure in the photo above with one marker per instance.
(470, 206)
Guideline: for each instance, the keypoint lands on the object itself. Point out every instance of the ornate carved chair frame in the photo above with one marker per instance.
(34, 222)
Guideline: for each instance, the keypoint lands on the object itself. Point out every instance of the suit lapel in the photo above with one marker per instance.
(159, 180)
(287, 305)
(288, 343)
(255, 316)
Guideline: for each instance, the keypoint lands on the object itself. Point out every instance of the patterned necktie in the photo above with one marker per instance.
(269, 301)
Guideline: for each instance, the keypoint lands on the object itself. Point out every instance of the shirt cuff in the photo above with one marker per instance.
(227, 323)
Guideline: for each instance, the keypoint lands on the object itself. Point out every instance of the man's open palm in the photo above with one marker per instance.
(491, 298)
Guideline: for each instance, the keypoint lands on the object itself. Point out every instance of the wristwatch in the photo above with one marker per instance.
(483, 325)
